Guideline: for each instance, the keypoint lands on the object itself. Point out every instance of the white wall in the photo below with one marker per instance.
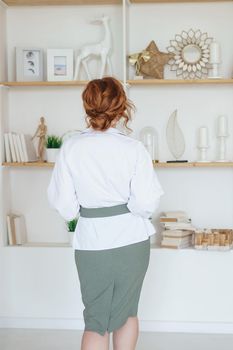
(181, 286)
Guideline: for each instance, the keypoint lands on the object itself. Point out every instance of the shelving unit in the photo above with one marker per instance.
(142, 82)
(43, 83)
(156, 164)
(145, 82)
(13, 88)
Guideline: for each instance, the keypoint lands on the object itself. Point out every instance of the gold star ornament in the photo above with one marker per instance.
(150, 62)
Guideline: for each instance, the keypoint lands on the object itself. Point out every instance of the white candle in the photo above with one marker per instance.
(203, 137)
(215, 53)
(222, 125)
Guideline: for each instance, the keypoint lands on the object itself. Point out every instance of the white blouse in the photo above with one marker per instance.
(100, 169)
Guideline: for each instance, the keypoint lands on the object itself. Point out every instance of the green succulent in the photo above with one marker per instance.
(71, 225)
(53, 141)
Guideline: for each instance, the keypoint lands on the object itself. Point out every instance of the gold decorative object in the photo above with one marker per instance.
(41, 132)
(191, 54)
(214, 239)
(150, 62)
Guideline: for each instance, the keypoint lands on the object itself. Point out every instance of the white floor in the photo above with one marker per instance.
(33, 339)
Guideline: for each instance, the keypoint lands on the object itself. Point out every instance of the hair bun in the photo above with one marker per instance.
(105, 100)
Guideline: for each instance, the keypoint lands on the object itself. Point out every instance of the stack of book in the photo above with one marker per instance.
(178, 230)
(19, 148)
(16, 229)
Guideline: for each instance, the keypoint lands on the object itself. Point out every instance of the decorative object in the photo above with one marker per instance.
(29, 64)
(101, 49)
(149, 137)
(53, 144)
(222, 134)
(177, 230)
(215, 60)
(60, 64)
(203, 143)
(41, 132)
(192, 52)
(150, 62)
(71, 226)
(175, 137)
(213, 239)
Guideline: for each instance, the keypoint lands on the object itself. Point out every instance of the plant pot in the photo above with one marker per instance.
(71, 237)
(51, 154)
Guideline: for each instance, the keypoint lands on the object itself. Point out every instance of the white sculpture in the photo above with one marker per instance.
(101, 49)
(175, 137)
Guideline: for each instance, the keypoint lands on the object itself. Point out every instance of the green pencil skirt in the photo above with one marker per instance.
(111, 281)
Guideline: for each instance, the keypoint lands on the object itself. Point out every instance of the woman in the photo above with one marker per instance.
(109, 179)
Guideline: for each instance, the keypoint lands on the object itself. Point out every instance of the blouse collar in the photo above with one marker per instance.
(109, 130)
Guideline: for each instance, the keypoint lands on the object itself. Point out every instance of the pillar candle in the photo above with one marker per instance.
(203, 137)
(222, 125)
(215, 54)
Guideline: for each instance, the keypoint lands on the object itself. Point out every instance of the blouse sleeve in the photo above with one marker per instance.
(145, 189)
(61, 192)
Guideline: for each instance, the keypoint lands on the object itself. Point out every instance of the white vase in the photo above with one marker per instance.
(51, 154)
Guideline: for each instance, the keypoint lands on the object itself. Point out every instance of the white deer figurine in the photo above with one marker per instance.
(101, 49)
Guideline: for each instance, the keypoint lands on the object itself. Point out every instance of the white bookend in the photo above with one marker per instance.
(11, 230)
(12, 147)
(28, 148)
(20, 229)
(7, 148)
(20, 147)
(16, 147)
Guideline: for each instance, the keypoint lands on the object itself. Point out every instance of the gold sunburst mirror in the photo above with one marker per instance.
(191, 54)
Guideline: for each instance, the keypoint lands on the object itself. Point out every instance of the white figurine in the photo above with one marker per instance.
(101, 49)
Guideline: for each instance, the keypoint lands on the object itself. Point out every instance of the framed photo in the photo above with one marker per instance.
(29, 64)
(60, 63)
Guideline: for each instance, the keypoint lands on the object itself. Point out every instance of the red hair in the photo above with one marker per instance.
(104, 100)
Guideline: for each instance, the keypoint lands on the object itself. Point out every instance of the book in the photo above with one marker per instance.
(176, 214)
(18, 159)
(175, 247)
(12, 147)
(16, 229)
(174, 219)
(20, 147)
(28, 148)
(20, 229)
(176, 241)
(7, 148)
(176, 233)
(178, 226)
(11, 230)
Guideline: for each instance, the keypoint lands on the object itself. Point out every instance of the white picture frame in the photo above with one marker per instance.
(29, 64)
(60, 64)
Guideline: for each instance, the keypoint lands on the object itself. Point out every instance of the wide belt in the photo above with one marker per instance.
(104, 211)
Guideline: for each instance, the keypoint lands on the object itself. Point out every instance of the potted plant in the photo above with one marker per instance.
(71, 225)
(53, 144)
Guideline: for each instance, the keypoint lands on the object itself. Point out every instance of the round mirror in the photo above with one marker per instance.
(191, 54)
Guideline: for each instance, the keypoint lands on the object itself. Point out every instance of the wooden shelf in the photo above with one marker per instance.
(193, 165)
(179, 81)
(29, 164)
(40, 244)
(59, 2)
(45, 83)
(174, 1)
(92, 2)
(130, 82)
(156, 165)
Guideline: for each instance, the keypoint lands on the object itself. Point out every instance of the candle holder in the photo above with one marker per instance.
(222, 149)
(149, 137)
(214, 61)
(222, 134)
(203, 154)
